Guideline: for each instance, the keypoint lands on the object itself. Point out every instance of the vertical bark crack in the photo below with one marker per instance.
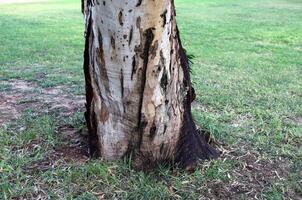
(148, 39)
(122, 83)
(164, 17)
(89, 116)
(133, 67)
(130, 35)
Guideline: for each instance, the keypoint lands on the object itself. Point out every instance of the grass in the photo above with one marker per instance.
(247, 73)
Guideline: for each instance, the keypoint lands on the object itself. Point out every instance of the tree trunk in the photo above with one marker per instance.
(138, 86)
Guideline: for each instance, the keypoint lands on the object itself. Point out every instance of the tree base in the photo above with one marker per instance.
(193, 147)
(138, 87)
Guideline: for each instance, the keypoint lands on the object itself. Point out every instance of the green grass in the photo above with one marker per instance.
(247, 73)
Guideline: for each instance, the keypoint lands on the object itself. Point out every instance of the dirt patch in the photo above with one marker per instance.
(60, 104)
(74, 151)
(294, 120)
(70, 154)
(22, 86)
(298, 121)
(60, 157)
(7, 109)
(252, 173)
(26, 95)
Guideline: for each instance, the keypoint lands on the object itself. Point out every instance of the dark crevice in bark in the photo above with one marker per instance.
(112, 41)
(192, 146)
(101, 62)
(133, 67)
(152, 131)
(164, 17)
(148, 38)
(164, 78)
(139, 2)
(165, 128)
(120, 18)
(89, 116)
(130, 35)
(122, 83)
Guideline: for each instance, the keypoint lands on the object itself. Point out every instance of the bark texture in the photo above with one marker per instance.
(138, 85)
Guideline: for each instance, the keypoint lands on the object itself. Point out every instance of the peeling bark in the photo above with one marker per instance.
(138, 87)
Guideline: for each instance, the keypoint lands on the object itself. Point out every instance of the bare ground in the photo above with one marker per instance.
(24, 96)
(251, 174)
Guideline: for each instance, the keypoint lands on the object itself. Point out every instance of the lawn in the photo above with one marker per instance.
(247, 73)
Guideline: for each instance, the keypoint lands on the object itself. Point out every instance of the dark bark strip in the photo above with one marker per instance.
(164, 78)
(130, 35)
(139, 2)
(164, 17)
(101, 61)
(112, 41)
(148, 39)
(122, 82)
(152, 131)
(133, 67)
(120, 18)
(91, 123)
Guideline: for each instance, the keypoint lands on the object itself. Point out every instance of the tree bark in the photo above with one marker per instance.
(138, 87)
